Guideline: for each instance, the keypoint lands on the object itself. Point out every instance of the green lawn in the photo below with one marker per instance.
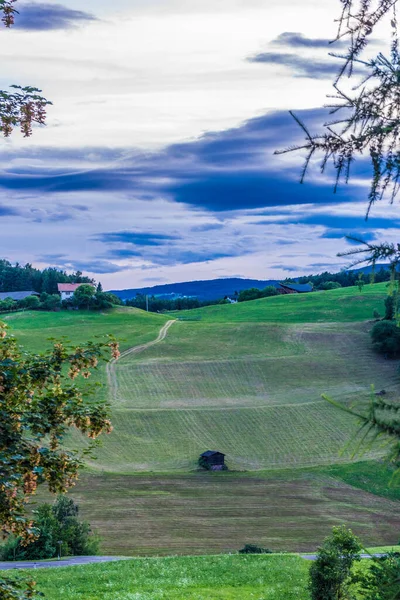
(186, 578)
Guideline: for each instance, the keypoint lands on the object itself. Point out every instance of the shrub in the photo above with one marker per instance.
(330, 285)
(376, 315)
(30, 303)
(330, 572)
(268, 291)
(382, 582)
(252, 549)
(386, 338)
(250, 294)
(390, 307)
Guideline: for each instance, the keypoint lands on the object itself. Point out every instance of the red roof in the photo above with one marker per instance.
(68, 287)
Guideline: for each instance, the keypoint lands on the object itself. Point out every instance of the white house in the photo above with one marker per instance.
(67, 290)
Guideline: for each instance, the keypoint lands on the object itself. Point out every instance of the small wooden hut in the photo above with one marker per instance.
(213, 460)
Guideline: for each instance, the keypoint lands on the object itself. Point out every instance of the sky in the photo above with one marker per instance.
(157, 162)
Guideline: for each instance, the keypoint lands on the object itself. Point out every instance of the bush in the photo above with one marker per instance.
(250, 294)
(386, 338)
(30, 303)
(268, 291)
(390, 307)
(376, 315)
(329, 285)
(252, 549)
(51, 302)
(330, 572)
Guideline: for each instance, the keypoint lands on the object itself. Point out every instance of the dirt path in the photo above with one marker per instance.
(111, 370)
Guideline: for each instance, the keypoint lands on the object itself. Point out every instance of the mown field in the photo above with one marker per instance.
(208, 513)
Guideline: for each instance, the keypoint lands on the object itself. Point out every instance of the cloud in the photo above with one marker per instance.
(47, 17)
(136, 238)
(299, 40)
(7, 211)
(207, 227)
(338, 234)
(290, 269)
(220, 172)
(300, 66)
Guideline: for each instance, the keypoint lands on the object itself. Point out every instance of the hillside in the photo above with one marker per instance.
(246, 380)
(342, 305)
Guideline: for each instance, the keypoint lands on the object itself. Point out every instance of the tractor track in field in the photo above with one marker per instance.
(111, 372)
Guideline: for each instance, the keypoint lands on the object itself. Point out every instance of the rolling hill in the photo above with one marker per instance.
(246, 380)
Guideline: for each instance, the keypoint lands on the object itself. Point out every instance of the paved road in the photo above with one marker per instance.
(64, 562)
(314, 556)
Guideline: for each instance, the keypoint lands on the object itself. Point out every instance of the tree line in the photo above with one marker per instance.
(18, 278)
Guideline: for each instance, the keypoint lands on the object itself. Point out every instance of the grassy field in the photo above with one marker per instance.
(344, 305)
(186, 578)
(131, 326)
(236, 381)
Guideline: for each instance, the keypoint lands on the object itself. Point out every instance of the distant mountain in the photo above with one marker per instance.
(212, 289)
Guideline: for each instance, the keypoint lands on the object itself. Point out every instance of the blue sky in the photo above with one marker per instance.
(157, 163)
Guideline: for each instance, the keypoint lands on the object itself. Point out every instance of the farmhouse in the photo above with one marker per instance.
(294, 288)
(17, 295)
(67, 289)
(213, 460)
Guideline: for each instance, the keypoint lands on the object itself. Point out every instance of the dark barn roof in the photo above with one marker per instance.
(298, 287)
(17, 295)
(209, 453)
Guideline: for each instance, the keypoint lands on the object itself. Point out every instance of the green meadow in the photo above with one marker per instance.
(186, 578)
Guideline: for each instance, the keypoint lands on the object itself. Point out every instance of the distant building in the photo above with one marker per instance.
(67, 289)
(213, 460)
(294, 288)
(17, 295)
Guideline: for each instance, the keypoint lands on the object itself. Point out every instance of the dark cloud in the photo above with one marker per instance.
(298, 40)
(301, 66)
(338, 234)
(225, 171)
(46, 17)
(348, 222)
(159, 249)
(136, 238)
(8, 211)
(207, 227)
(51, 258)
(290, 269)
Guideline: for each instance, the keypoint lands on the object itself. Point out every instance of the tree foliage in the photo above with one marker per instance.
(382, 580)
(59, 530)
(18, 278)
(20, 106)
(330, 572)
(386, 338)
(365, 119)
(39, 403)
